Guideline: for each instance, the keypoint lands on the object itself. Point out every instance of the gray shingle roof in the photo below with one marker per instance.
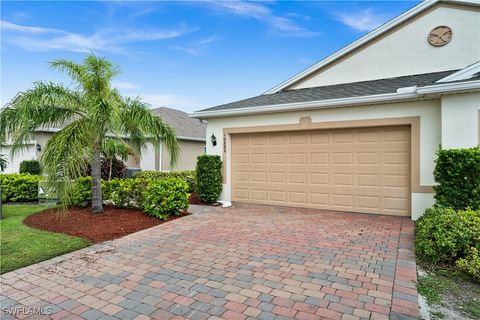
(337, 91)
(182, 123)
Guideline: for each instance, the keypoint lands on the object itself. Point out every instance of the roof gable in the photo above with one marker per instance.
(185, 127)
(340, 67)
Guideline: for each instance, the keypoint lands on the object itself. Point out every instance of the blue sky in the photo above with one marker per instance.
(186, 55)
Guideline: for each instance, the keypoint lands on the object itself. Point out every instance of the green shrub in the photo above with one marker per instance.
(457, 173)
(124, 193)
(471, 263)
(165, 197)
(209, 177)
(19, 187)
(31, 167)
(79, 192)
(446, 235)
(188, 176)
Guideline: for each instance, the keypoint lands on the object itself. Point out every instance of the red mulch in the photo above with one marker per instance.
(80, 222)
(194, 199)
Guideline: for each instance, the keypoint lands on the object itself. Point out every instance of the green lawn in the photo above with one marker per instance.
(21, 246)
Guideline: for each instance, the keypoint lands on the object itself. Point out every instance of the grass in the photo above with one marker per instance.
(472, 308)
(21, 246)
(434, 285)
(450, 289)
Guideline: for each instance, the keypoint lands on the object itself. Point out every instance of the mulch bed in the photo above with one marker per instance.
(80, 222)
(194, 199)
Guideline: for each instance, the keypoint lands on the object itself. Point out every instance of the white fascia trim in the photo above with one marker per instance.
(306, 105)
(191, 138)
(450, 87)
(369, 36)
(464, 74)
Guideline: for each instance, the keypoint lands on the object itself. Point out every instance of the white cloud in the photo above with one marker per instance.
(363, 20)
(157, 100)
(261, 12)
(124, 85)
(106, 40)
(5, 25)
(198, 47)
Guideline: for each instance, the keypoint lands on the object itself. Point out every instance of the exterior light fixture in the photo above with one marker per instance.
(38, 147)
(214, 140)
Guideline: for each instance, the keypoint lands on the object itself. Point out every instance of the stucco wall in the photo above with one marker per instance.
(13, 165)
(189, 151)
(460, 120)
(430, 134)
(407, 51)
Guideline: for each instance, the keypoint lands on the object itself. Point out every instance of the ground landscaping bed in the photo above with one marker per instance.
(80, 222)
(449, 293)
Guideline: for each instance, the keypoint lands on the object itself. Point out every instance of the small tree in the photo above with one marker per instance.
(113, 149)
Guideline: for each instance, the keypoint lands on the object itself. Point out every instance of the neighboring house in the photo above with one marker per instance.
(358, 131)
(191, 137)
(190, 133)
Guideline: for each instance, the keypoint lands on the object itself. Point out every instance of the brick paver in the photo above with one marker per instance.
(244, 262)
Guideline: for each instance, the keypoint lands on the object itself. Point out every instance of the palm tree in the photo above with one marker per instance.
(88, 112)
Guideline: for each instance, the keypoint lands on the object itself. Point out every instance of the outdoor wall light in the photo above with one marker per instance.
(39, 147)
(214, 140)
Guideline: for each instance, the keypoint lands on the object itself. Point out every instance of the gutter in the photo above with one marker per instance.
(402, 94)
(450, 87)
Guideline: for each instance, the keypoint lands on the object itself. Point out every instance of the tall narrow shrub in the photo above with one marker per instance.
(30, 166)
(457, 174)
(209, 177)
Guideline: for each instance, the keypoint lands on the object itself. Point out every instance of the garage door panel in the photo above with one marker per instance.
(362, 170)
(368, 202)
(297, 139)
(298, 197)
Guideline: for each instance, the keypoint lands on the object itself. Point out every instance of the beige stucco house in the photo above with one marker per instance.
(358, 131)
(190, 133)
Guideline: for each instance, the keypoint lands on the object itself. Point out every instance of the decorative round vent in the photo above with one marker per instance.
(440, 36)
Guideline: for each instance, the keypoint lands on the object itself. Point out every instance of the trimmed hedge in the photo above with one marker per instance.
(471, 263)
(80, 192)
(445, 235)
(19, 187)
(30, 167)
(209, 177)
(188, 176)
(165, 197)
(457, 173)
(124, 193)
(158, 197)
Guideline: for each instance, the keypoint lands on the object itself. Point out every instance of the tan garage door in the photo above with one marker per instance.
(358, 170)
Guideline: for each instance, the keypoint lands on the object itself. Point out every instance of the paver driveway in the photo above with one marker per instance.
(256, 262)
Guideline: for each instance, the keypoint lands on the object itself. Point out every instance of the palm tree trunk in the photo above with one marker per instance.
(110, 170)
(97, 206)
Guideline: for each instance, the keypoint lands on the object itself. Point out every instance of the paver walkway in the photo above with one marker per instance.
(248, 261)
